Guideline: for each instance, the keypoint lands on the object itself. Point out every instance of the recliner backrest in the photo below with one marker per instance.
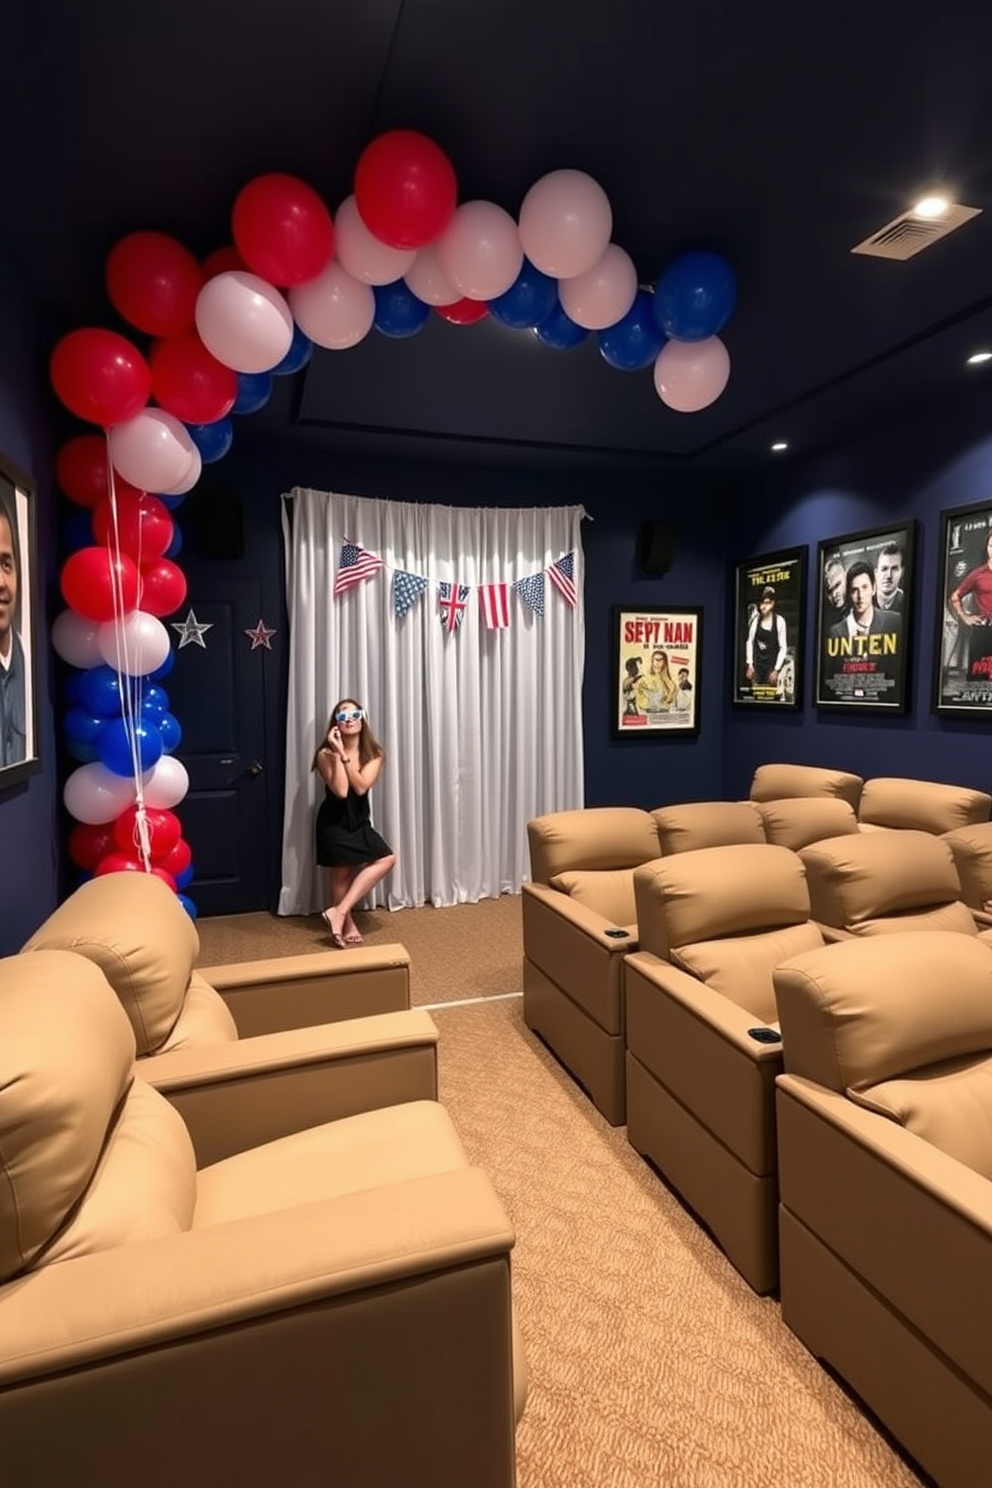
(696, 824)
(796, 822)
(886, 881)
(924, 805)
(779, 782)
(597, 838)
(972, 851)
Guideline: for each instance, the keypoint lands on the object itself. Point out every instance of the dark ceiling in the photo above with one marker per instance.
(778, 134)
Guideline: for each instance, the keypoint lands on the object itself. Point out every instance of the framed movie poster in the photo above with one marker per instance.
(656, 671)
(769, 607)
(862, 647)
(962, 684)
(18, 592)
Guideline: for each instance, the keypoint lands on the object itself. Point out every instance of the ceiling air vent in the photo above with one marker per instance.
(909, 234)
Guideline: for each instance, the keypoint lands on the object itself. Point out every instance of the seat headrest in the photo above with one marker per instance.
(707, 824)
(66, 1061)
(871, 875)
(717, 892)
(971, 848)
(133, 926)
(798, 821)
(867, 1010)
(927, 805)
(597, 837)
(778, 782)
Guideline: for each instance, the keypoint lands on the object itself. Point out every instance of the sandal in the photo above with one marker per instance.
(337, 938)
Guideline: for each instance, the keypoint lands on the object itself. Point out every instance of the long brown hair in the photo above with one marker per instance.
(368, 745)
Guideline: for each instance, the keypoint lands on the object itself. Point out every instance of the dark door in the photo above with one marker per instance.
(217, 694)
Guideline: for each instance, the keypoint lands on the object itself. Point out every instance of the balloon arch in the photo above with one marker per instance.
(219, 331)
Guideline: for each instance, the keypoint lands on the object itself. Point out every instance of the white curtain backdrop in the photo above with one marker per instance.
(482, 729)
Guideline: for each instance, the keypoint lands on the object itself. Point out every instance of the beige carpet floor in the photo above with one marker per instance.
(653, 1365)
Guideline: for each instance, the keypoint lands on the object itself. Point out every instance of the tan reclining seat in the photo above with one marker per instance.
(885, 1143)
(972, 851)
(258, 1320)
(881, 882)
(579, 920)
(796, 822)
(780, 782)
(697, 824)
(713, 925)
(925, 805)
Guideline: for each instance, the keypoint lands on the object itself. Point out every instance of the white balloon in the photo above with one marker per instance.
(565, 223)
(244, 321)
(335, 310)
(136, 645)
(690, 375)
(362, 254)
(76, 640)
(165, 785)
(429, 282)
(95, 794)
(603, 294)
(153, 450)
(479, 251)
(191, 477)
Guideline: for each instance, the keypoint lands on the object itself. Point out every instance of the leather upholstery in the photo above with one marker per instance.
(798, 821)
(924, 805)
(879, 882)
(776, 782)
(699, 824)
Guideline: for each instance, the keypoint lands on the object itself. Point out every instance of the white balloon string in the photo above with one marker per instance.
(130, 685)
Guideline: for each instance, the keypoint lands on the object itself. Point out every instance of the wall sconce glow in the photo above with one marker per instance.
(977, 357)
(779, 446)
(931, 206)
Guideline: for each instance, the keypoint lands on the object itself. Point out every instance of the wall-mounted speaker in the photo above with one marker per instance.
(655, 548)
(216, 525)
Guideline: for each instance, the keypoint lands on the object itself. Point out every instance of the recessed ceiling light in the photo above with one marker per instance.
(779, 446)
(931, 206)
(979, 356)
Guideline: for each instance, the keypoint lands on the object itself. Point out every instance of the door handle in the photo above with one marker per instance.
(255, 768)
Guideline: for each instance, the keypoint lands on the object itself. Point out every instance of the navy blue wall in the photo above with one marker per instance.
(911, 470)
(29, 826)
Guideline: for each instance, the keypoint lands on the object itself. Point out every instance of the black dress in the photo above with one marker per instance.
(346, 837)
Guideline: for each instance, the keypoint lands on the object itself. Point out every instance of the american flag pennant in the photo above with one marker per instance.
(531, 591)
(494, 600)
(407, 589)
(562, 575)
(452, 599)
(355, 565)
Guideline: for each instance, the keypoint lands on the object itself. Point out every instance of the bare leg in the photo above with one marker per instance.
(366, 878)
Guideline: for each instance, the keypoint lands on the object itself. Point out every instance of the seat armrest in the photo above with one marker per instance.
(235, 1096)
(724, 1018)
(550, 905)
(320, 987)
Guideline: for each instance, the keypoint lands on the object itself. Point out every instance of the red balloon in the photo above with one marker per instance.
(88, 844)
(222, 261)
(97, 586)
(163, 587)
(191, 383)
(405, 189)
(166, 878)
(282, 229)
(178, 859)
(119, 862)
(164, 831)
(153, 282)
(100, 376)
(463, 312)
(82, 469)
(144, 525)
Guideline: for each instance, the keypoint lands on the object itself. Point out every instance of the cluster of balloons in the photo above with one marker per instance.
(218, 332)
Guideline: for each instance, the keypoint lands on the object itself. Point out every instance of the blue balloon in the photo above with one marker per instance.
(100, 691)
(176, 545)
(184, 879)
(299, 353)
(77, 531)
(81, 726)
(164, 669)
(695, 296)
(173, 501)
(254, 391)
(530, 299)
(85, 754)
(70, 688)
(187, 905)
(213, 440)
(170, 732)
(398, 312)
(154, 703)
(558, 331)
(114, 746)
(635, 341)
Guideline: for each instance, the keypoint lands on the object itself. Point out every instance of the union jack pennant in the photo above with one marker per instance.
(407, 589)
(452, 599)
(495, 602)
(562, 575)
(531, 591)
(355, 565)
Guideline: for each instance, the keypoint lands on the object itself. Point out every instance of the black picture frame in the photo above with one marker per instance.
(962, 649)
(865, 673)
(774, 656)
(19, 747)
(644, 705)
